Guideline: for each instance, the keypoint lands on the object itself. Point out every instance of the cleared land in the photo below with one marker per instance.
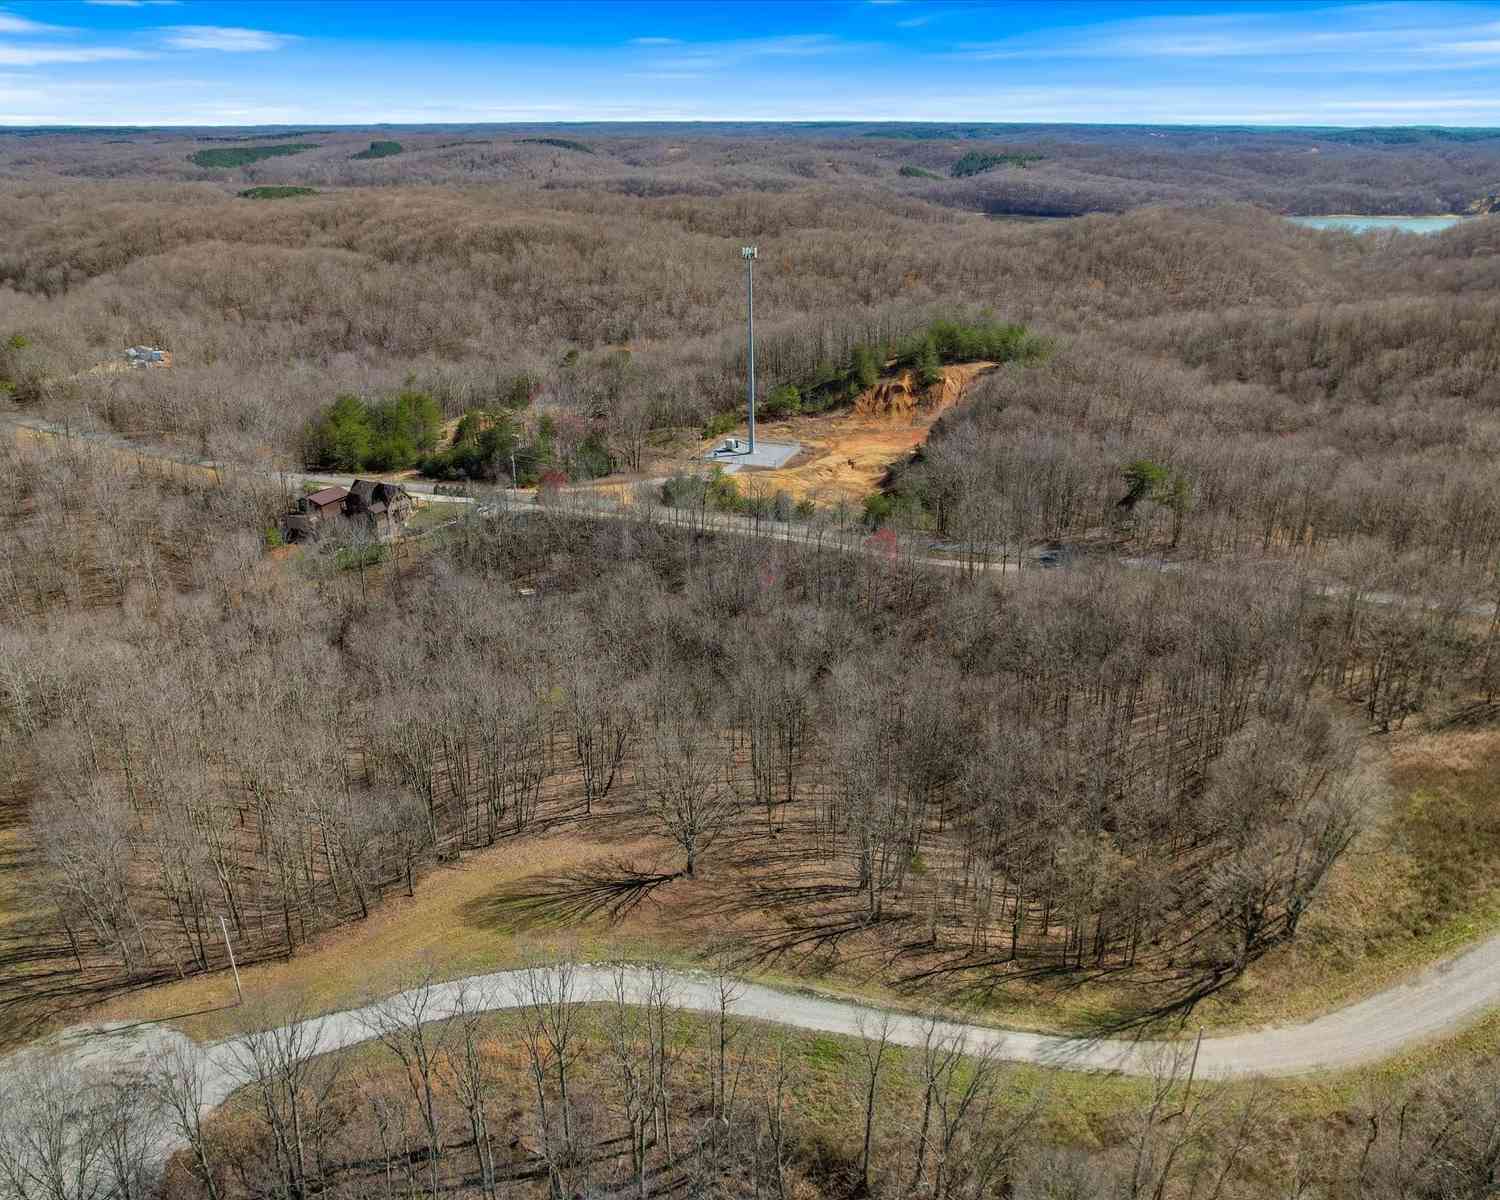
(848, 453)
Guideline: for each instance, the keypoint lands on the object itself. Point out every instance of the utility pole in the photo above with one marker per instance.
(238, 991)
(748, 253)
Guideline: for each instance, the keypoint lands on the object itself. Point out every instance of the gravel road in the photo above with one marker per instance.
(1440, 1000)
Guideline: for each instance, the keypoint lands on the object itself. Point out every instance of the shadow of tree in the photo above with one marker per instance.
(1158, 997)
(611, 889)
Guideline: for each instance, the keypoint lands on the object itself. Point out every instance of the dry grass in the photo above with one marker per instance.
(1420, 885)
(446, 926)
(1404, 898)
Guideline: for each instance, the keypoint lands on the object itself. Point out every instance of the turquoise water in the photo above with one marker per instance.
(1369, 224)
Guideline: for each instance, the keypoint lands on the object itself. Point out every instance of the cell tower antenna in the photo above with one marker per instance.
(749, 254)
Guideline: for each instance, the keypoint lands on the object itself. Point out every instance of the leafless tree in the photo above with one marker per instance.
(544, 993)
(874, 1044)
(294, 1089)
(178, 1079)
(471, 1078)
(686, 783)
(413, 1026)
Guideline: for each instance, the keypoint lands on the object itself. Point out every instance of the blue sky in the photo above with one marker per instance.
(112, 62)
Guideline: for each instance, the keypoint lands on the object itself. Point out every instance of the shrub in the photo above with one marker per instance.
(559, 142)
(918, 173)
(878, 509)
(388, 435)
(240, 156)
(380, 150)
(884, 543)
(718, 491)
(718, 424)
(276, 193)
(785, 401)
(682, 491)
(724, 492)
(549, 485)
(1145, 479)
(348, 558)
(592, 458)
(976, 162)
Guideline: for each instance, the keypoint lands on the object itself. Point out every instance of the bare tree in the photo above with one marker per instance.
(413, 1026)
(550, 1017)
(51, 1141)
(294, 1089)
(471, 1078)
(686, 783)
(178, 1078)
(874, 1043)
(634, 1032)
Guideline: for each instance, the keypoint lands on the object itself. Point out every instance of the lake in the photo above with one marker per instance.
(1358, 224)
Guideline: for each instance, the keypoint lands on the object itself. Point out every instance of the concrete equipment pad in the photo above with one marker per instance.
(767, 455)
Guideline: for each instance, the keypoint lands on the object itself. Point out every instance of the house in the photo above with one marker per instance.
(328, 502)
(383, 508)
(148, 356)
(306, 523)
(379, 509)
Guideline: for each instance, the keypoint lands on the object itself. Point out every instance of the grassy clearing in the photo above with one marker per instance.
(457, 924)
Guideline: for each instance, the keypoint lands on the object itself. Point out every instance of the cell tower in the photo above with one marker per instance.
(748, 253)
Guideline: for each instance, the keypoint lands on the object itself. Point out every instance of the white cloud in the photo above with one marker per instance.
(718, 56)
(1485, 47)
(1377, 32)
(10, 23)
(224, 37)
(35, 56)
(655, 41)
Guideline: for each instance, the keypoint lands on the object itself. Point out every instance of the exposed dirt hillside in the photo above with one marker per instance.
(902, 396)
(844, 457)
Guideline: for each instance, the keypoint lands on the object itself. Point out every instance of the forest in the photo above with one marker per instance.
(874, 750)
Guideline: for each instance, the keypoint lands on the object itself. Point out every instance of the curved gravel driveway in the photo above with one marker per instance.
(1440, 1000)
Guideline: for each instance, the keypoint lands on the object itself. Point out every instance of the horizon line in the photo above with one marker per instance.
(810, 122)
